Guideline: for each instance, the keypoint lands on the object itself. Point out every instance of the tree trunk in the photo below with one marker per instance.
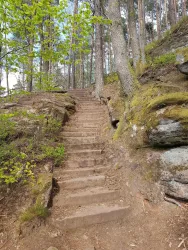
(30, 66)
(172, 12)
(119, 47)
(74, 54)
(141, 17)
(91, 59)
(158, 17)
(166, 13)
(99, 75)
(184, 8)
(1, 66)
(133, 33)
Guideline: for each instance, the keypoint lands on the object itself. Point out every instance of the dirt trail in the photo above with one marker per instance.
(99, 207)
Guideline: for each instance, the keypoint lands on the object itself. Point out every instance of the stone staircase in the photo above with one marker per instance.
(84, 199)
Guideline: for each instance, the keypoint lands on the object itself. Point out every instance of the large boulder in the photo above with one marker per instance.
(176, 158)
(174, 178)
(176, 185)
(183, 68)
(168, 133)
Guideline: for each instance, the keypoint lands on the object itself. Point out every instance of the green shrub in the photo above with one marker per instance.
(54, 153)
(165, 59)
(6, 126)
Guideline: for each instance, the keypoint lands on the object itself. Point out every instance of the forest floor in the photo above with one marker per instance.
(148, 223)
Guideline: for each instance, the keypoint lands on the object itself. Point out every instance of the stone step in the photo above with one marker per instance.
(82, 172)
(91, 196)
(88, 116)
(79, 129)
(78, 134)
(85, 124)
(82, 182)
(92, 215)
(85, 146)
(87, 163)
(85, 153)
(81, 139)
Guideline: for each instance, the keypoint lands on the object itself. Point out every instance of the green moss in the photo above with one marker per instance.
(168, 99)
(165, 59)
(178, 114)
(111, 78)
(118, 106)
(120, 129)
(139, 103)
(43, 183)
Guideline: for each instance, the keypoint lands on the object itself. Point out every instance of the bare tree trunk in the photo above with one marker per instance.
(30, 66)
(166, 13)
(99, 74)
(141, 17)
(172, 12)
(158, 17)
(74, 54)
(184, 8)
(82, 83)
(91, 59)
(133, 32)
(119, 46)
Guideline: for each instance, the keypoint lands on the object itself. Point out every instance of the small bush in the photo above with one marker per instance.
(56, 154)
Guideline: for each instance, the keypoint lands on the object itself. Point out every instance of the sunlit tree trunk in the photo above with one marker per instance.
(119, 47)
(141, 18)
(74, 54)
(99, 75)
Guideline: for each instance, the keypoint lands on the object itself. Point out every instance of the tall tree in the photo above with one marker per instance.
(172, 12)
(158, 17)
(133, 32)
(119, 47)
(142, 35)
(99, 74)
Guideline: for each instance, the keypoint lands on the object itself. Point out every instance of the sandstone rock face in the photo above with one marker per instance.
(168, 133)
(176, 185)
(175, 158)
(175, 177)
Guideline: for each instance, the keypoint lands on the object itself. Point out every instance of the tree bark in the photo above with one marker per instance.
(158, 17)
(30, 66)
(141, 17)
(91, 59)
(119, 47)
(74, 54)
(166, 13)
(172, 12)
(184, 8)
(99, 75)
(133, 32)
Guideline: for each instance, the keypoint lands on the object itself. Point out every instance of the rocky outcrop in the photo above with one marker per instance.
(174, 178)
(183, 68)
(168, 133)
(174, 39)
(176, 185)
(176, 158)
